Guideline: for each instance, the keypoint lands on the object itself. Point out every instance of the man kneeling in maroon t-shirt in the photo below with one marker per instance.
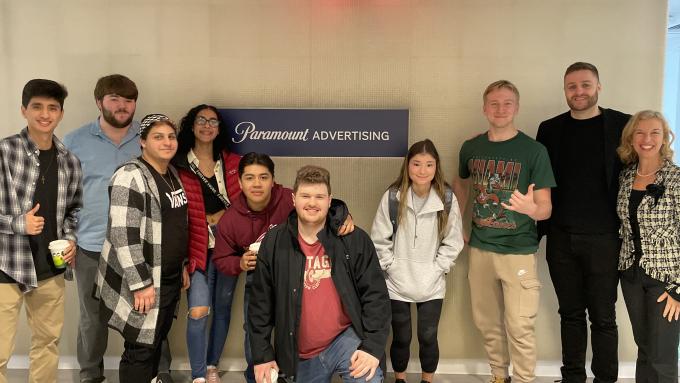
(324, 294)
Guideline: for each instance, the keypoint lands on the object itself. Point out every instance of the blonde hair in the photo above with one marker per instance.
(501, 84)
(438, 183)
(626, 151)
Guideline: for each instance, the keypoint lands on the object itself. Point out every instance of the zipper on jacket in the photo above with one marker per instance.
(415, 229)
(350, 275)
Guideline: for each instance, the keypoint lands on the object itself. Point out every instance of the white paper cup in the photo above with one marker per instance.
(254, 247)
(58, 248)
(274, 374)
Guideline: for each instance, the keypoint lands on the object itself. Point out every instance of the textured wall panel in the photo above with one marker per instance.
(433, 57)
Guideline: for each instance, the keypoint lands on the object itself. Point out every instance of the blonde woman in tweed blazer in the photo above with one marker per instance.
(649, 208)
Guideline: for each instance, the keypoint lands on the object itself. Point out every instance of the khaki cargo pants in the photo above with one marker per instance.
(504, 291)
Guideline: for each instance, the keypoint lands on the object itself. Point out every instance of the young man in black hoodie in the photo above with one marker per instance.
(324, 294)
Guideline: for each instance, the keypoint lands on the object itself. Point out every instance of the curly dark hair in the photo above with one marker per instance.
(186, 139)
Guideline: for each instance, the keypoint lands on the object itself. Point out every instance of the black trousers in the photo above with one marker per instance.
(428, 325)
(655, 336)
(583, 269)
(140, 363)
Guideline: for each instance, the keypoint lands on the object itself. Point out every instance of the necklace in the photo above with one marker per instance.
(42, 174)
(172, 188)
(646, 175)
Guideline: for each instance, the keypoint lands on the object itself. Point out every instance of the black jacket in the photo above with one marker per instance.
(276, 292)
(551, 134)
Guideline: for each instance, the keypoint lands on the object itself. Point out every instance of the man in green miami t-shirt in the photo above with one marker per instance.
(510, 176)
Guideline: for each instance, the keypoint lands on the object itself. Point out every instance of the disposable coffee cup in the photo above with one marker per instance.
(274, 374)
(58, 248)
(255, 247)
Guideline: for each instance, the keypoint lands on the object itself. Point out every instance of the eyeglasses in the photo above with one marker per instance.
(202, 121)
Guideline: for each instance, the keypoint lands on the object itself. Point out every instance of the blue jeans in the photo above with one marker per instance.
(216, 291)
(334, 359)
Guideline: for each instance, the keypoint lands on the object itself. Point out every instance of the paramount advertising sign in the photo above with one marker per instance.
(318, 132)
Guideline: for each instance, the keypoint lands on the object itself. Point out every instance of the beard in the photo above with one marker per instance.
(111, 119)
(592, 101)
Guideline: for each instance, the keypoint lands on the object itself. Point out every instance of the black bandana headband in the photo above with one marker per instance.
(151, 119)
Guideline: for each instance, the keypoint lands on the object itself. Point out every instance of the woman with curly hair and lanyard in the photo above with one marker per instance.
(208, 170)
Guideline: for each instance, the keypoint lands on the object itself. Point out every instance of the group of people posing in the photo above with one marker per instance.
(149, 209)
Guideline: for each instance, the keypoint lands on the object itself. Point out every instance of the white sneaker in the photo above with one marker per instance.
(213, 375)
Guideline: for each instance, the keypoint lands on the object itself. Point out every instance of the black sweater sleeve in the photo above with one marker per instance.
(261, 305)
(337, 214)
(373, 296)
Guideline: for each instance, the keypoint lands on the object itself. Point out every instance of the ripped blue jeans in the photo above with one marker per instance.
(205, 342)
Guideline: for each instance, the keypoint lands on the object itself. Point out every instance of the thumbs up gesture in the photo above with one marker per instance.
(34, 223)
(522, 203)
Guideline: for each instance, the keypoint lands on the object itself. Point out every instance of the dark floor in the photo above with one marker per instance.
(69, 376)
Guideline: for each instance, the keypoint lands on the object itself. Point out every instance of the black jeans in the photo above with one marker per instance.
(139, 363)
(655, 336)
(428, 325)
(583, 269)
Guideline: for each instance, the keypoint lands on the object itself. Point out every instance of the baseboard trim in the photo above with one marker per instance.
(446, 366)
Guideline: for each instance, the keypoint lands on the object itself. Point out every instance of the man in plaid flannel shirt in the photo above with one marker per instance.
(40, 194)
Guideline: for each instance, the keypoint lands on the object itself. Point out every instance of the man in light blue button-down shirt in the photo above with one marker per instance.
(101, 145)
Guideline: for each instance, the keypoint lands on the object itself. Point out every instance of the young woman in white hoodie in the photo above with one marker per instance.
(418, 255)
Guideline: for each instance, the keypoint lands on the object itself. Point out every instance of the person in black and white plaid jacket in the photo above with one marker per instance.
(40, 195)
(141, 268)
(649, 208)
